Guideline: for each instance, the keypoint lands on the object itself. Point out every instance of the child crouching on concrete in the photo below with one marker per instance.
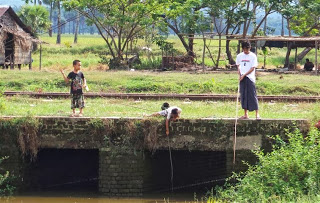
(171, 113)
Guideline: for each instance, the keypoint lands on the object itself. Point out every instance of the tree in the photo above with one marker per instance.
(36, 17)
(182, 17)
(305, 22)
(75, 41)
(51, 4)
(232, 14)
(59, 22)
(117, 21)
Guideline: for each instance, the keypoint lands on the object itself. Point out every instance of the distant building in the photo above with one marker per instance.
(16, 40)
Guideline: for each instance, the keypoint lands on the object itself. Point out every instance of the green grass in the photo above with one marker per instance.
(90, 46)
(23, 106)
(164, 82)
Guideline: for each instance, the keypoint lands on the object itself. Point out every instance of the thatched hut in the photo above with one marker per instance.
(16, 40)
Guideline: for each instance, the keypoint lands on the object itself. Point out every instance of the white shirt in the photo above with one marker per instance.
(246, 62)
(169, 110)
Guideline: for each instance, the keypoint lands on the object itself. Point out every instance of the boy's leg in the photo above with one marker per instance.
(73, 106)
(81, 104)
(257, 115)
(245, 116)
(73, 113)
(81, 112)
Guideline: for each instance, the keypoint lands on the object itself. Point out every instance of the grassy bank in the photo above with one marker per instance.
(164, 82)
(89, 48)
(23, 106)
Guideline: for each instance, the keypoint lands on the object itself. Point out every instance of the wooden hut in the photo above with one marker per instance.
(16, 40)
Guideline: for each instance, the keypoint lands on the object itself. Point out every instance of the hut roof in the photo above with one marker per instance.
(281, 38)
(4, 9)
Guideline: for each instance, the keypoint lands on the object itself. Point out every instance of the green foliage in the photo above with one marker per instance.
(22, 132)
(126, 18)
(126, 135)
(148, 64)
(6, 189)
(37, 17)
(291, 171)
(305, 17)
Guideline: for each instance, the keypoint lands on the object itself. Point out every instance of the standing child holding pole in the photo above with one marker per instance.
(247, 63)
(77, 83)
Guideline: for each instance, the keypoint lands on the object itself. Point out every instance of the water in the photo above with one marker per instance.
(85, 197)
(35, 199)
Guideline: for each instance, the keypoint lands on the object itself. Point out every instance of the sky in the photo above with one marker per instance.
(12, 3)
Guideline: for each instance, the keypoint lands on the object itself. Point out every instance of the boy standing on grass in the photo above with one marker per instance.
(77, 83)
(247, 63)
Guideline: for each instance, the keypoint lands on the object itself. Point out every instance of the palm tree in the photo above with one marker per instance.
(37, 17)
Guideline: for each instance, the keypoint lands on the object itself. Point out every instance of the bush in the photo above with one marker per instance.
(148, 64)
(5, 188)
(288, 173)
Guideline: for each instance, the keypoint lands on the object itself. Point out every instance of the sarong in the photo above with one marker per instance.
(248, 95)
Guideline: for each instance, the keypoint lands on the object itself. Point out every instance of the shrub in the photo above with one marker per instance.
(6, 189)
(288, 173)
(148, 64)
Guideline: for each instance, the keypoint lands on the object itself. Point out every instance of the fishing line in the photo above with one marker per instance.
(194, 184)
(170, 163)
(235, 126)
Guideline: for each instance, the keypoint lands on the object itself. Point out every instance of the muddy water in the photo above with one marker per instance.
(85, 197)
(89, 200)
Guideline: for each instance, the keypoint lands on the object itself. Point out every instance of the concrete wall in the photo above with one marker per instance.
(121, 174)
(122, 169)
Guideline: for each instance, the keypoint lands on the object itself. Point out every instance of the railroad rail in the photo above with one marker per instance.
(194, 97)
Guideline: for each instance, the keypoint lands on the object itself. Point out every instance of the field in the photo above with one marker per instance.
(160, 82)
(24, 106)
(153, 82)
(90, 47)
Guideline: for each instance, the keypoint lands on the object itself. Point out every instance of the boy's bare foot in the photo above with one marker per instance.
(73, 115)
(80, 114)
(244, 117)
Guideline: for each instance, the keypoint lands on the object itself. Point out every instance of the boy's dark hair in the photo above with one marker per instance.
(245, 44)
(165, 106)
(174, 111)
(307, 60)
(75, 62)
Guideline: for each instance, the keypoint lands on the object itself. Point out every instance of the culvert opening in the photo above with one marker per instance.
(64, 170)
(192, 170)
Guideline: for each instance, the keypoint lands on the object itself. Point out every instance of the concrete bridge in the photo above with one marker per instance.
(129, 156)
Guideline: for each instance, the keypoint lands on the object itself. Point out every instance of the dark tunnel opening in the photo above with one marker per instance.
(72, 170)
(192, 170)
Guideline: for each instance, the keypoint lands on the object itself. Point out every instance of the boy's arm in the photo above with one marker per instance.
(64, 76)
(247, 73)
(167, 127)
(84, 82)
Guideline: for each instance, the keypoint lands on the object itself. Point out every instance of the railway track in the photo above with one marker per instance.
(194, 97)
